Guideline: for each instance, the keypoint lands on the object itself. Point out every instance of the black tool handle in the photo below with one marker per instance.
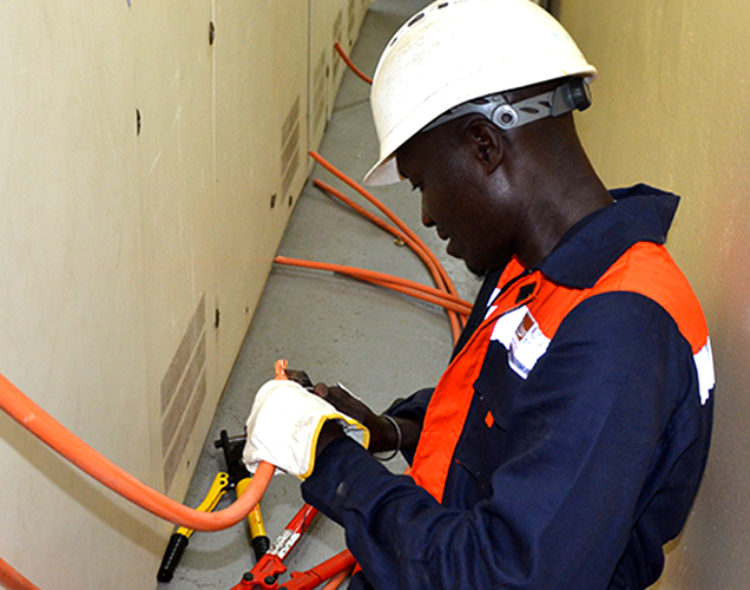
(260, 545)
(172, 556)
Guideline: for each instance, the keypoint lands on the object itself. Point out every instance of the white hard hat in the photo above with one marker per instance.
(455, 51)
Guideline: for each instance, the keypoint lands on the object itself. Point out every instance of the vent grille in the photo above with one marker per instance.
(183, 390)
(290, 141)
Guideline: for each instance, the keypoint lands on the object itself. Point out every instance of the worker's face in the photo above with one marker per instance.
(459, 200)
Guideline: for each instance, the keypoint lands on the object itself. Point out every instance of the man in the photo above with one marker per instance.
(565, 442)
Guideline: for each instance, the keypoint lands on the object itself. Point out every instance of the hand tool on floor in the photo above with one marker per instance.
(178, 542)
(238, 478)
(314, 577)
(265, 574)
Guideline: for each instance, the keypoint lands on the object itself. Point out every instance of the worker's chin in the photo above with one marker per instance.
(476, 269)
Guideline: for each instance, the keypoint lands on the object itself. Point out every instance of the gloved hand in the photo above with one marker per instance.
(284, 426)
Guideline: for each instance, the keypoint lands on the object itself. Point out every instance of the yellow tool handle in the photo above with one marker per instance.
(178, 542)
(218, 489)
(258, 537)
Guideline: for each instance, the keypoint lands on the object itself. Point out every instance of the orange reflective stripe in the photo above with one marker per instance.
(646, 268)
(652, 272)
(446, 415)
(450, 403)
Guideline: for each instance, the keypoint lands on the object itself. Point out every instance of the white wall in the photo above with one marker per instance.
(146, 177)
(671, 109)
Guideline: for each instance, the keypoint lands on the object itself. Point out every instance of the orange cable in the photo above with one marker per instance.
(337, 580)
(12, 580)
(32, 417)
(419, 291)
(379, 204)
(361, 210)
(406, 286)
(401, 225)
(440, 276)
(448, 305)
(350, 63)
(420, 249)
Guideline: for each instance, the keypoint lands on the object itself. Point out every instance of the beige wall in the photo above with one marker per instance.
(146, 177)
(671, 109)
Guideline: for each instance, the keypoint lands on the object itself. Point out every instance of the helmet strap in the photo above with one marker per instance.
(573, 94)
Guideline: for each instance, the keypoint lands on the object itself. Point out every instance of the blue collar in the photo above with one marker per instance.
(639, 214)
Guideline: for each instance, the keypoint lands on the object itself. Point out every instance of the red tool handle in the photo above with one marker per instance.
(314, 577)
(265, 573)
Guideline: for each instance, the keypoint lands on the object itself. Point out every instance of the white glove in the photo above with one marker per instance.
(284, 426)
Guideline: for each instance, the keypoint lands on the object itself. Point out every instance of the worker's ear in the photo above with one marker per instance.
(486, 142)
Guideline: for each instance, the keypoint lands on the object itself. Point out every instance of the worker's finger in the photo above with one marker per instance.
(381, 430)
(342, 399)
(299, 377)
(321, 390)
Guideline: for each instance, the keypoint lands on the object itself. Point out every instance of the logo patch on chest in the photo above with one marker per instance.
(521, 335)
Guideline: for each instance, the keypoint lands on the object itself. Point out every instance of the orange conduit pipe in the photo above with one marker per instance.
(337, 580)
(12, 580)
(32, 417)
(365, 213)
(412, 288)
(441, 277)
(350, 63)
(445, 279)
(427, 257)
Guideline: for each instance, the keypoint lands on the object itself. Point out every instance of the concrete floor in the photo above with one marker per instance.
(382, 345)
